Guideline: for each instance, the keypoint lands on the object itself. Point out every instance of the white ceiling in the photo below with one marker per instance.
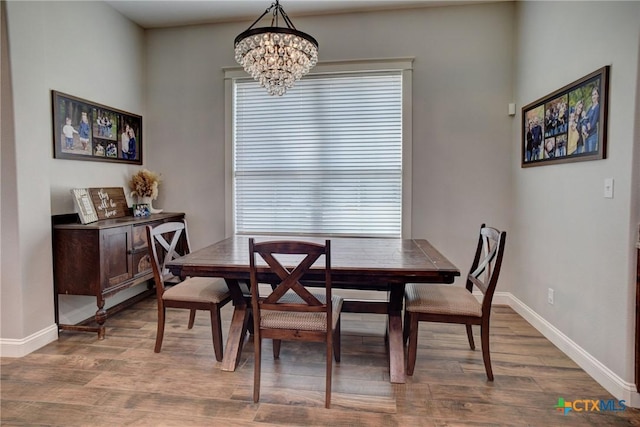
(170, 13)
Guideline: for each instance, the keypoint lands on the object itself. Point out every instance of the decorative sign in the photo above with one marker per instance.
(109, 202)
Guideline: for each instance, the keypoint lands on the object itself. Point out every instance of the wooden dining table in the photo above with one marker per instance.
(369, 264)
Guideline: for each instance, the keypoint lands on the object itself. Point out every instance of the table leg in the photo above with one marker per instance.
(235, 340)
(238, 328)
(396, 349)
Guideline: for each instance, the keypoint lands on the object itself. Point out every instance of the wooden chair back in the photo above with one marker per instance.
(487, 263)
(288, 279)
(166, 243)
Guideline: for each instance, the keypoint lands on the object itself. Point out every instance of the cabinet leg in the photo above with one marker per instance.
(101, 317)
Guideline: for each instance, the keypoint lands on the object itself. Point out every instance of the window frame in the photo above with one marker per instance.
(404, 65)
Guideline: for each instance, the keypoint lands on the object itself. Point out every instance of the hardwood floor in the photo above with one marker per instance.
(82, 381)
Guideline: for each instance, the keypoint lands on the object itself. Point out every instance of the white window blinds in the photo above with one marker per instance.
(324, 158)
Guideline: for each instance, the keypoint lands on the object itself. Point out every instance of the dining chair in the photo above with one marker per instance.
(456, 304)
(193, 293)
(291, 311)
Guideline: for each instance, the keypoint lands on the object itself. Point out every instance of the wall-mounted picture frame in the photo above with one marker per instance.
(85, 130)
(568, 125)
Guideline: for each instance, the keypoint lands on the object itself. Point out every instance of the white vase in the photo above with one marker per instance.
(147, 201)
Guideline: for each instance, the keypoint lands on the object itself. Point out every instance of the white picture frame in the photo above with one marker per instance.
(84, 206)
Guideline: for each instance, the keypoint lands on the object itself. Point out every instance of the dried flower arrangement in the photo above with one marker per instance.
(145, 184)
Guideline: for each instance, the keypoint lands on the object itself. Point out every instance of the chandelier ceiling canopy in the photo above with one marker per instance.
(276, 56)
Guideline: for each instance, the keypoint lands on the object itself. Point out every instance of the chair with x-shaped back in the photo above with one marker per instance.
(456, 304)
(193, 293)
(290, 311)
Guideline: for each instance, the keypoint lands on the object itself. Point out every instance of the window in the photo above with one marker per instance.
(325, 158)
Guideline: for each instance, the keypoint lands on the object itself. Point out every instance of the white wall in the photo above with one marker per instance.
(571, 238)
(462, 83)
(86, 49)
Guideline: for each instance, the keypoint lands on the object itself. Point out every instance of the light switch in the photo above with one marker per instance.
(608, 188)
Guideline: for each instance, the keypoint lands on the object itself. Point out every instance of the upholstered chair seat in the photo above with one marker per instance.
(198, 289)
(441, 299)
(306, 321)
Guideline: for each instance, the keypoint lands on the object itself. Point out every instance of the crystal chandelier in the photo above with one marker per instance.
(276, 56)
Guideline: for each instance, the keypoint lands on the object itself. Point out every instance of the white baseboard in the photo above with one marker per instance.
(619, 388)
(24, 346)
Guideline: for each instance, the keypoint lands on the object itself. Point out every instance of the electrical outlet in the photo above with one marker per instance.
(550, 296)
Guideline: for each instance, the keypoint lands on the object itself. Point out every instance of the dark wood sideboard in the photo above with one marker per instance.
(101, 259)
